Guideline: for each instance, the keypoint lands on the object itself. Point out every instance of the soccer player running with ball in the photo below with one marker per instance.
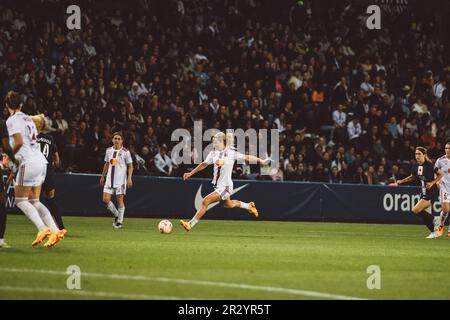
(223, 156)
(32, 167)
(443, 164)
(118, 170)
(429, 176)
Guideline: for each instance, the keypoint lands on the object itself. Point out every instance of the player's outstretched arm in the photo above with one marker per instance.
(197, 169)
(406, 180)
(253, 159)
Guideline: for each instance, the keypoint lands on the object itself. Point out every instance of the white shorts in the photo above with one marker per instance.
(31, 174)
(121, 190)
(224, 192)
(444, 195)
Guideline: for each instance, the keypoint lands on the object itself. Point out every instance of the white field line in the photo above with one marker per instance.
(193, 282)
(83, 293)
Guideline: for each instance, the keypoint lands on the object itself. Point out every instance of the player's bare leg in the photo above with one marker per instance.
(209, 199)
(230, 204)
(421, 209)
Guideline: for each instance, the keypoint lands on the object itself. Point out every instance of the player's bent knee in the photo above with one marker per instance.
(205, 203)
(227, 205)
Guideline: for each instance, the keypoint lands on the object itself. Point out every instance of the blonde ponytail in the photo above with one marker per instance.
(40, 121)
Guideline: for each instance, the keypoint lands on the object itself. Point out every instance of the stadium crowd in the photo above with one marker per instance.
(350, 103)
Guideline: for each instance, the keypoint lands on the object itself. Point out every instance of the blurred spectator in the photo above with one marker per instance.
(163, 162)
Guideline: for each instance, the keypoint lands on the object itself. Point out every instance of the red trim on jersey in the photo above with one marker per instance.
(113, 169)
(217, 176)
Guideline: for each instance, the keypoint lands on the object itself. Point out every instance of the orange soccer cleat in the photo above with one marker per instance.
(439, 231)
(62, 233)
(186, 225)
(53, 240)
(41, 235)
(252, 209)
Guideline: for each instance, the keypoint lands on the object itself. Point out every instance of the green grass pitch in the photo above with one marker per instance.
(225, 260)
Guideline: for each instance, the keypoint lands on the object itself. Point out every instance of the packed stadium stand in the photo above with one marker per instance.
(350, 103)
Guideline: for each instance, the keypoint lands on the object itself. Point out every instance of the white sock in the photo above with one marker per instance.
(193, 222)
(244, 205)
(46, 216)
(443, 218)
(112, 208)
(31, 212)
(121, 211)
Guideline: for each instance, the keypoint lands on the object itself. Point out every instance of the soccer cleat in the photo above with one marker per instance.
(186, 225)
(117, 225)
(3, 244)
(439, 231)
(252, 209)
(53, 240)
(432, 235)
(41, 235)
(62, 234)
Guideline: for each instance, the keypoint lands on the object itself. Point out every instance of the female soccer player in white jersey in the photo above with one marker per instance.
(32, 167)
(118, 169)
(443, 164)
(223, 157)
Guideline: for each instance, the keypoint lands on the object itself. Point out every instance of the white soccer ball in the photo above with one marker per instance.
(165, 226)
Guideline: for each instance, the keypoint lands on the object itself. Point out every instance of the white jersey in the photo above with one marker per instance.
(443, 163)
(223, 166)
(118, 161)
(21, 123)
